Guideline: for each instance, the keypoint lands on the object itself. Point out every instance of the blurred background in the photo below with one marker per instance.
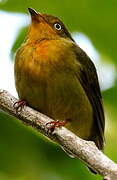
(24, 153)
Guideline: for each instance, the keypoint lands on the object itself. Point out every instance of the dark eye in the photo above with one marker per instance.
(57, 26)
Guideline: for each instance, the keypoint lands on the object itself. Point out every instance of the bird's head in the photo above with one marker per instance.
(45, 26)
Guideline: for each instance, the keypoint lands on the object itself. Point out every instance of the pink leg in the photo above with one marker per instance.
(19, 105)
(54, 124)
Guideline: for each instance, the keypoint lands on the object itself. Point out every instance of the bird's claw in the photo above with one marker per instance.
(19, 105)
(53, 124)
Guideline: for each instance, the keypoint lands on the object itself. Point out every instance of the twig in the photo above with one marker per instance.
(77, 147)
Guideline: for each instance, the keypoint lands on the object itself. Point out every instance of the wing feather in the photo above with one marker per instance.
(89, 81)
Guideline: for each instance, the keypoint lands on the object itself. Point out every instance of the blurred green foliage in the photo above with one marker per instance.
(26, 155)
(18, 41)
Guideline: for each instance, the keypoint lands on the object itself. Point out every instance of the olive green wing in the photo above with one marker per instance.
(89, 81)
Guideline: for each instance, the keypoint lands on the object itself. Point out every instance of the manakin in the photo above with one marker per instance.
(57, 78)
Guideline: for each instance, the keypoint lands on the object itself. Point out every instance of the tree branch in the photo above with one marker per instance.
(77, 147)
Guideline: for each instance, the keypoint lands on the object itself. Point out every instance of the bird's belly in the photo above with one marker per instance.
(58, 95)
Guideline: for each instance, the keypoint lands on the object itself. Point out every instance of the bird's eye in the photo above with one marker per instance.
(57, 26)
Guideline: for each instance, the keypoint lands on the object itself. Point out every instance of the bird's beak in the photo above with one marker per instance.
(35, 15)
(32, 12)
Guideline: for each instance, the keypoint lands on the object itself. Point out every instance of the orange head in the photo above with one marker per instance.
(45, 27)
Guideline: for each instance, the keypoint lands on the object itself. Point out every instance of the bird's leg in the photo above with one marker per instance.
(53, 124)
(19, 105)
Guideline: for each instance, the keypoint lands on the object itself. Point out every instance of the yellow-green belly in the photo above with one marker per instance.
(54, 90)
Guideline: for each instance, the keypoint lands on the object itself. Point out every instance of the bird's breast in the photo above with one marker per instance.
(46, 78)
(40, 70)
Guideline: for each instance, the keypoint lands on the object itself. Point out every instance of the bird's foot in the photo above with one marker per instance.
(53, 124)
(19, 105)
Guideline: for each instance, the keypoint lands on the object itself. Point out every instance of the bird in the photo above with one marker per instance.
(56, 77)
